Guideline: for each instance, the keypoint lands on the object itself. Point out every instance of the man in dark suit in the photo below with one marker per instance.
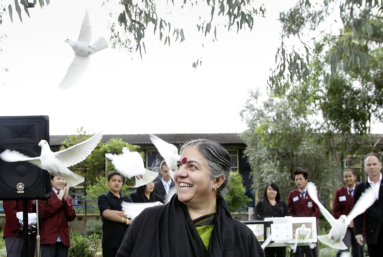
(300, 204)
(55, 214)
(343, 204)
(373, 217)
(163, 186)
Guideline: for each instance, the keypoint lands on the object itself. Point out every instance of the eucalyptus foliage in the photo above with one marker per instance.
(343, 30)
(281, 137)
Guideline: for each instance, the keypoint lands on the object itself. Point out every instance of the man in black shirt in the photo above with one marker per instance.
(114, 220)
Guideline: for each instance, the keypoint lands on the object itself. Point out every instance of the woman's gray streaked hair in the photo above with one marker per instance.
(218, 159)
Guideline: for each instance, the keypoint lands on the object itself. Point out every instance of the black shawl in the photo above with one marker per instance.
(167, 230)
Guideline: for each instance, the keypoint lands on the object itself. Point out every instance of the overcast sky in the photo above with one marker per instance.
(122, 93)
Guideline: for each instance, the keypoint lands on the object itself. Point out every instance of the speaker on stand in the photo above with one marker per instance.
(23, 180)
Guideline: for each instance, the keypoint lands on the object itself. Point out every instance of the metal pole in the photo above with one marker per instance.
(25, 229)
(38, 229)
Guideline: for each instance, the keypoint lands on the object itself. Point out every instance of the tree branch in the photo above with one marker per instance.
(363, 37)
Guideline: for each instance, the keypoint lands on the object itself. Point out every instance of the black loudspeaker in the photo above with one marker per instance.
(23, 180)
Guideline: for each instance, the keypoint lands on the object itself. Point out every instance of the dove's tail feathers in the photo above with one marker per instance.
(336, 245)
(364, 202)
(99, 45)
(73, 179)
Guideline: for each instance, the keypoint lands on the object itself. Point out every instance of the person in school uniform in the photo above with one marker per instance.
(55, 213)
(114, 221)
(300, 204)
(343, 204)
(13, 230)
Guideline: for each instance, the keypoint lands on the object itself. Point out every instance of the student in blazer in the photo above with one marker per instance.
(300, 204)
(343, 204)
(55, 214)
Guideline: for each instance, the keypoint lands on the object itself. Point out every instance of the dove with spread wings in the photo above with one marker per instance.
(56, 163)
(339, 226)
(82, 50)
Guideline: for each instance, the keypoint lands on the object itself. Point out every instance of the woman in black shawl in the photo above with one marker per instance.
(272, 206)
(197, 220)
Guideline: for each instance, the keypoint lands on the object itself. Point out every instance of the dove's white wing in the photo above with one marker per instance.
(172, 191)
(98, 45)
(15, 156)
(132, 210)
(145, 179)
(79, 152)
(167, 151)
(312, 190)
(86, 31)
(367, 199)
(75, 71)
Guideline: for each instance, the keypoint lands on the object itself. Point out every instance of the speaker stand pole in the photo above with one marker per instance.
(25, 229)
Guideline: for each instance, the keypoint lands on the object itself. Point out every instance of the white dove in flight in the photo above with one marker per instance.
(56, 163)
(334, 239)
(168, 151)
(128, 163)
(132, 210)
(82, 49)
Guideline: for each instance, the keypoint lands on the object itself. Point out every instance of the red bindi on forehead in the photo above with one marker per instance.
(184, 160)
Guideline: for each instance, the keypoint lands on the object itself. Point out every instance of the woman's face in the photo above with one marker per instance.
(271, 193)
(349, 178)
(149, 188)
(192, 178)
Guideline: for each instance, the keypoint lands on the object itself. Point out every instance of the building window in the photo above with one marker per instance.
(234, 160)
(153, 160)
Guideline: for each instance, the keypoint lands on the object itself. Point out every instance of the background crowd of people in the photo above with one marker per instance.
(197, 221)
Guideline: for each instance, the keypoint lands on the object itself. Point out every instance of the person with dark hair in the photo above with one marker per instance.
(272, 206)
(197, 221)
(13, 230)
(163, 186)
(55, 214)
(114, 221)
(372, 218)
(343, 204)
(300, 204)
(145, 193)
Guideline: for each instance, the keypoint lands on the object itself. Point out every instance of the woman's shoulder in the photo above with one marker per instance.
(159, 198)
(150, 214)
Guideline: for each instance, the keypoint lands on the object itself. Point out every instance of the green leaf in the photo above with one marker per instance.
(18, 10)
(48, 1)
(41, 2)
(10, 12)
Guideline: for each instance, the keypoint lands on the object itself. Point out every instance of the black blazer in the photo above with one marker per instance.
(373, 216)
(159, 188)
(136, 198)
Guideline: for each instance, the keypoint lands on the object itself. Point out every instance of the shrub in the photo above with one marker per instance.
(236, 198)
(83, 246)
(94, 227)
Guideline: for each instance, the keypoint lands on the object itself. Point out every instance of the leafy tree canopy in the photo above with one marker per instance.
(344, 31)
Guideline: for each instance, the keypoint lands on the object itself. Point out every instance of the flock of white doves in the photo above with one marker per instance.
(129, 164)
